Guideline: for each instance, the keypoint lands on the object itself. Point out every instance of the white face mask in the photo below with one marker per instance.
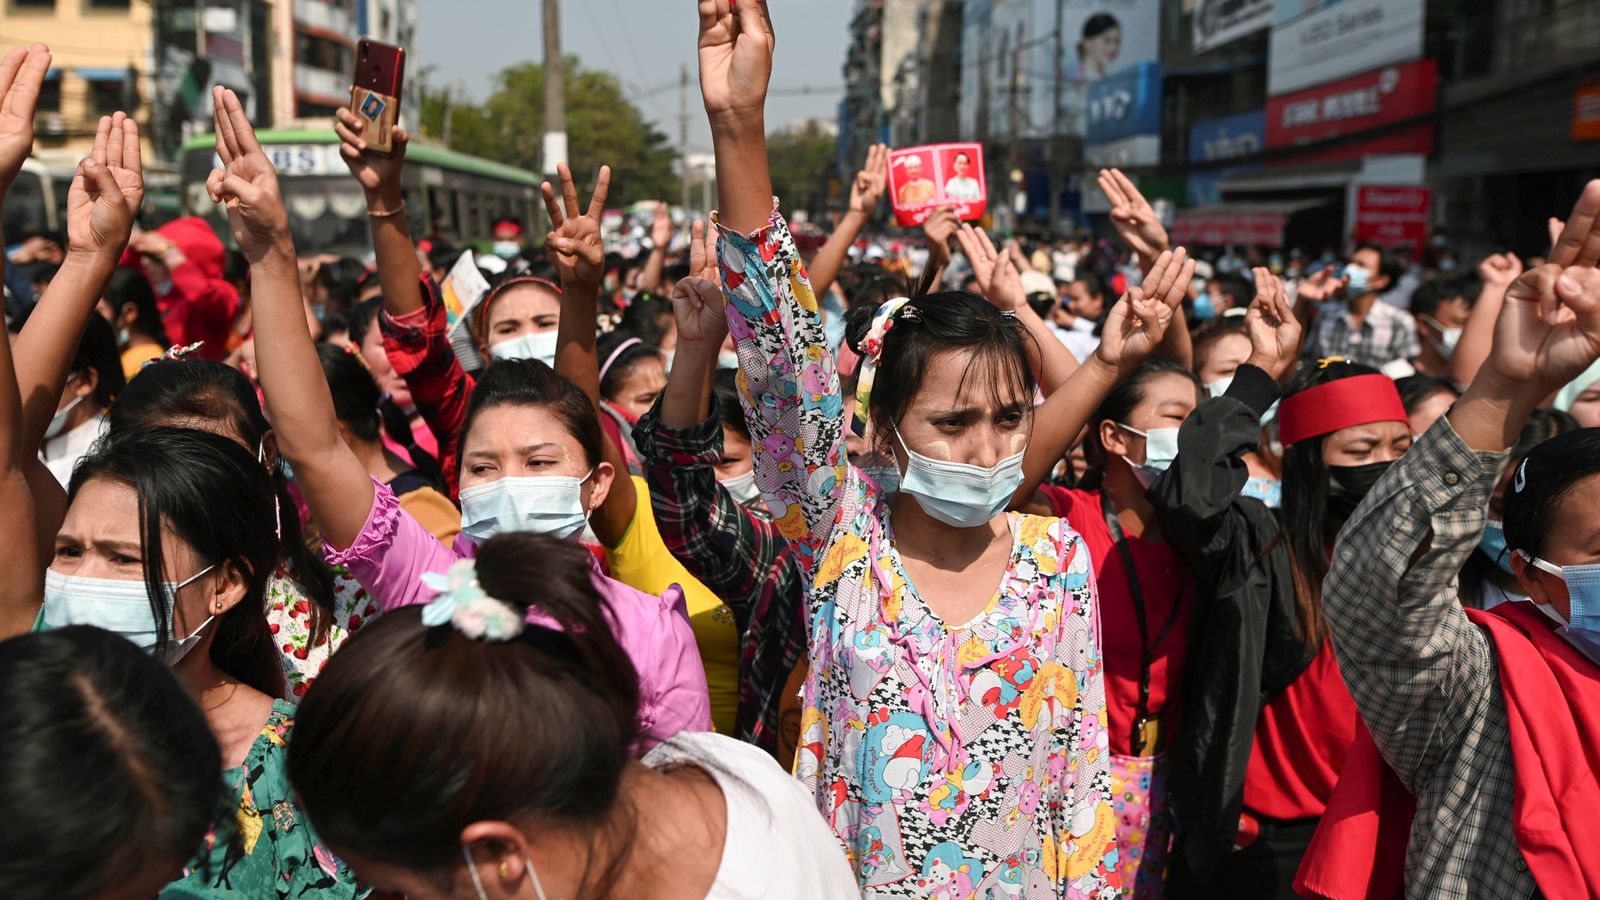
(958, 494)
(1445, 343)
(119, 606)
(58, 422)
(477, 882)
(1160, 449)
(551, 505)
(507, 250)
(534, 345)
(1220, 386)
(742, 488)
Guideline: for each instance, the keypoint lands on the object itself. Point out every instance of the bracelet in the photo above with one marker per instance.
(385, 214)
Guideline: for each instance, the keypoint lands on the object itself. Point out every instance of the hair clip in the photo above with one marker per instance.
(1327, 361)
(462, 602)
(872, 352)
(175, 352)
(1521, 481)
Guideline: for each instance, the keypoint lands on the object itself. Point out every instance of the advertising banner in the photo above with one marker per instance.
(1336, 38)
(1125, 118)
(1586, 113)
(922, 179)
(1393, 217)
(1216, 140)
(1352, 105)
(1216, 22)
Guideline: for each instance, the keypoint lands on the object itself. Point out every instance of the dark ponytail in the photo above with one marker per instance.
(411, 733)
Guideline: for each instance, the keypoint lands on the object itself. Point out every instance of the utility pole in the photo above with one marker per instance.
(555, 90)
(683, 133)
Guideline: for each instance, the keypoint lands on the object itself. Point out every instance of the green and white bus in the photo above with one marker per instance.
(447, 193)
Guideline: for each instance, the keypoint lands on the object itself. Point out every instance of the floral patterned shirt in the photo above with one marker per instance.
(289, 617)
(952, 762)
(267, 848)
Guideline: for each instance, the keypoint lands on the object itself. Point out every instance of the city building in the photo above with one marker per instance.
(883, 35)
(314, 58)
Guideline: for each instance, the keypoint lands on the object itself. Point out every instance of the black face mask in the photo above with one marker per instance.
(1348, 486)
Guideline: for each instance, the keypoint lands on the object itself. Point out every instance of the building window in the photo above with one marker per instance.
(105, 97)
(108, 4)
(34, 4)
(50, 95)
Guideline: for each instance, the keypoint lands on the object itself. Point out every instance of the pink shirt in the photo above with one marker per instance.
(393, 552)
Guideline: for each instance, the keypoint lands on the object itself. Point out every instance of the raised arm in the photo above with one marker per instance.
(1204, 480)
(1134, 218)
(790, 386)
(1132, 330)
(660, 238)
(102, 202)
(1405, 646)
(379, 176)
(681, 441)
(335, 484)
(578, 251)
(1001, 283)
(865, 192)
(1497, 271)
(735, 49)
(22, 74)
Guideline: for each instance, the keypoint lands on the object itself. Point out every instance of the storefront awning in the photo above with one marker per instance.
(1242, 223)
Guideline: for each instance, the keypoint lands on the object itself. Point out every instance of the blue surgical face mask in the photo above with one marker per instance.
(958, 494)
(1358, 283)
(1493, 545)
(1581, 628)
(1268, 490)
(551, 505)
(886, 477)
(1203, 307)
(120, 607)
(1160, 449)
(507, 250)
(533, 345)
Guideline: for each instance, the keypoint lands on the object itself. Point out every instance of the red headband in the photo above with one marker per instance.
(481, 311)
(1326, 408)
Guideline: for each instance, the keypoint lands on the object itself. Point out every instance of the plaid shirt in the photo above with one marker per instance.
(1386, 334)
(1425, 678)
(741, 557)
(419, 349)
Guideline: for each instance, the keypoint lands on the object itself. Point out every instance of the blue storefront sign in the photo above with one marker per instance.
(1216, 140)
(1124, 127)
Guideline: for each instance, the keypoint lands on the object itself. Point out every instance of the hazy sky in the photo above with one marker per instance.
(644, 42)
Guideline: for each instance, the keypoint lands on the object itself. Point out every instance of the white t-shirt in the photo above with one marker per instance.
(777, 846)
(1080, 342)
(62, 452)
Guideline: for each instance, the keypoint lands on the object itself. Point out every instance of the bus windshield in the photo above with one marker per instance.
(327, 210)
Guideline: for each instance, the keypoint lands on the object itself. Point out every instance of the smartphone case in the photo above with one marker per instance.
(381, 113)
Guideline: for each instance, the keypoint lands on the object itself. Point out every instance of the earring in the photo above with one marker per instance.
(505, 868)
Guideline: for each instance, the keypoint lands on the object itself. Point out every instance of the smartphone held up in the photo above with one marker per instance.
(375, 96)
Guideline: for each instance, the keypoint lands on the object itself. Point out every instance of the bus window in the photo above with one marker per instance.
(441, 211)
(24, 213)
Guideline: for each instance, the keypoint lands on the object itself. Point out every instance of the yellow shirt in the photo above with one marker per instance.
(134, 358)
(641, 561)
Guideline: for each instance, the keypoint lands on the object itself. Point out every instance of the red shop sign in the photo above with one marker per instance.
(1353, 105)
(1393, 216)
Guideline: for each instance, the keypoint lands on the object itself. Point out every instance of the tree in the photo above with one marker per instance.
(603, 127)
(804, 168)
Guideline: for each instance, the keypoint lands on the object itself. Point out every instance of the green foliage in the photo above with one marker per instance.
(804, 171)
(603, 128)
